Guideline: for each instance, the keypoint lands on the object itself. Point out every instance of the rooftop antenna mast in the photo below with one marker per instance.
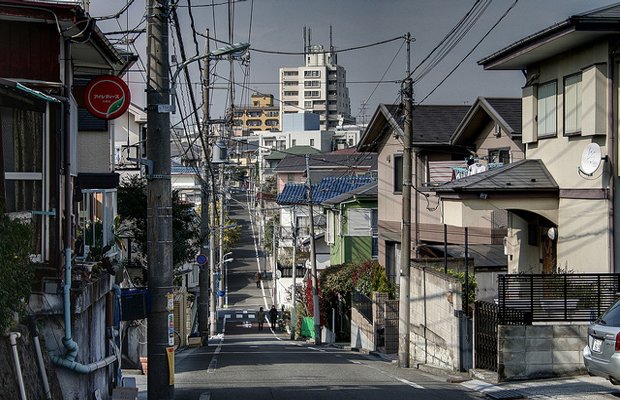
(331, 47)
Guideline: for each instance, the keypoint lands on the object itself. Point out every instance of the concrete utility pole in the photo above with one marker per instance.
(294, 289)
(405, 258)
(274, 259)
(221, 255)
(203, 278)
(315, 281)
(212, 294)
(159, 202)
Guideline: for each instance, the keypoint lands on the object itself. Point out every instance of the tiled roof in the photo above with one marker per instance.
(367, 191)
(297, 163)
(509, 109)
(432, 124)
(295, 193)
(524, 175)
(182, 169)
(297, 150)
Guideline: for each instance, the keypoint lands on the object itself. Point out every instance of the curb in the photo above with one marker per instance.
(451, 376)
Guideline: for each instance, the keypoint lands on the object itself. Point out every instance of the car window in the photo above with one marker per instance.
(612, 315)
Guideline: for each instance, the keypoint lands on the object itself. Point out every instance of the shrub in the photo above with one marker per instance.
(15, 268)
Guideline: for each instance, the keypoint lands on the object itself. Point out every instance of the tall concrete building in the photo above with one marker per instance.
(320, 87)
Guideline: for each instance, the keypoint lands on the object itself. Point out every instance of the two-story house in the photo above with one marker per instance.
(561, 199)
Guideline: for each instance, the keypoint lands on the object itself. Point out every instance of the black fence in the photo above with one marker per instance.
(555, 297)
(287, 272)
(363, 304)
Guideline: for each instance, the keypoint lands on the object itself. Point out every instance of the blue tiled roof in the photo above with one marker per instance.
(181, 169)
(295, 193)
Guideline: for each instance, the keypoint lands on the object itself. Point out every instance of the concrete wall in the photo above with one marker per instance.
(89, 332)
(435, 297)
(540, 351)
(362, 331)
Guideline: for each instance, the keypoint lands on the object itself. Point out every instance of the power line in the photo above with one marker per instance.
(286, 53)
(471, 51)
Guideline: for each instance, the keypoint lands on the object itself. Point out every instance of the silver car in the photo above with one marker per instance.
(602, 354)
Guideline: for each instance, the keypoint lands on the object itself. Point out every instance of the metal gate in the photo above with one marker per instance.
(485, 342)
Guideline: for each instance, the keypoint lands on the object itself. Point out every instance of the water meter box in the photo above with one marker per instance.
(134, 304)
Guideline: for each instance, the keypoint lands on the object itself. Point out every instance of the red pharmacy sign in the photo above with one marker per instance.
(107, 97)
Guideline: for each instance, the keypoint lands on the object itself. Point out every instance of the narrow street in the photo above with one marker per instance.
(243, 362)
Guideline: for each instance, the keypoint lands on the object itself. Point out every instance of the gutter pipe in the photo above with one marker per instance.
(40, 363)
(611, 126)
(68, 359)
(13, 336)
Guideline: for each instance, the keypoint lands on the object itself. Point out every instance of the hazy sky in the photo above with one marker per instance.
(277, 25)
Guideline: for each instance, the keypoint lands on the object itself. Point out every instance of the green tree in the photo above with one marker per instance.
(132, 207)
(16, 271)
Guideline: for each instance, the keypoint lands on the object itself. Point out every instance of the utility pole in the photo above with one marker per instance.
(221, 255)
(159, 203)
(212, 294)
(203, 278)
(315, 281)
(405, 259)
(294, 289)
(274, 260)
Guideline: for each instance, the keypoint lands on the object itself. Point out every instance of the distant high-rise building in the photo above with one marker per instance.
(320, 87)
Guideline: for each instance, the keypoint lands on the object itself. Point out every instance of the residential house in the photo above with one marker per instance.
(352, 228)
(51, 50)
(433, 126)
(292, 169)
(560, 200)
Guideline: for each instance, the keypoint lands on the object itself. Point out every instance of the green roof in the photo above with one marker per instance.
(295, 150)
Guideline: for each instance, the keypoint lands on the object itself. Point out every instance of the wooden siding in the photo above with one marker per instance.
(30, 51)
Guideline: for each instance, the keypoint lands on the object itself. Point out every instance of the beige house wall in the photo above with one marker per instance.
(488, 140)
(583, 223)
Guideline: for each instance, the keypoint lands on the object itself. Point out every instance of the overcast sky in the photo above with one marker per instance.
(277, 25)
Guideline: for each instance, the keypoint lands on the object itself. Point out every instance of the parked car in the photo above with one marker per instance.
(602, 354)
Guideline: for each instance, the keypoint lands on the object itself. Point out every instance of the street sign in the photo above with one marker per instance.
(107, 97)
(201, 259)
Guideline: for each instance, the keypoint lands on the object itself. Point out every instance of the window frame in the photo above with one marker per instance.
(397, 187)
(578, 105)
(554, 132)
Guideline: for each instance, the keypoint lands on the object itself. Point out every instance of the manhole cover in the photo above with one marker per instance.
(506, 395)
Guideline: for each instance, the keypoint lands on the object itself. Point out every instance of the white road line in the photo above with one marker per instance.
(480, 386)
(412, 384)
(314, 348)
(405, 381)
(213, 364)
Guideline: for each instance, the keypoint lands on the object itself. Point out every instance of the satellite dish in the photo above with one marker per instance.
(552, 233)
(590, 159)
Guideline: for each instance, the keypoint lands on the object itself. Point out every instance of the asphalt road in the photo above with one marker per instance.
(245, 363)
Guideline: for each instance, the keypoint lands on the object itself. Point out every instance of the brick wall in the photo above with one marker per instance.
(540, 351)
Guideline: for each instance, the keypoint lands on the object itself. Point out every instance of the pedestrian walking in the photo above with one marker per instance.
(273, 316)
(261, 318)
(258, 278)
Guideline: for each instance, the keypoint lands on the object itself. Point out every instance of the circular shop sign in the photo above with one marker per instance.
(107, 97)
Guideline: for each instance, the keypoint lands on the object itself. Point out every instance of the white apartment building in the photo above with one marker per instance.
(318, 87)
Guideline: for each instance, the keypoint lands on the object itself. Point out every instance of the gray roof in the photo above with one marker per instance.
(569, 34)
(432, 124)
(297, 163)
(504, 111)
(524, 175)
(368, 191)
(296, 150)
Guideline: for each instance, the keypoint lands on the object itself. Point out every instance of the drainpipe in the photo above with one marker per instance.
(68, 359)
(13, 336)
(611, 125)
(34, 332)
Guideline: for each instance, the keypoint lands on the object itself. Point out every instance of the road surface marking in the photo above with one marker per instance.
(405, 381)
(213, 364)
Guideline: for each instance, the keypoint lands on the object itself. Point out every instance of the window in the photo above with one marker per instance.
(392, 260)
(290, 73)
(308, 104)
(330, 232)
(311, 142)
(312, 93)
(294, 142)
(547, 109)
(312, 74)
(499, 156)
(572, 104)
(359, 222)
(290, 178)
(291, 93)
(312, 84)
(398, 173)
(374, 223)
(290, 83)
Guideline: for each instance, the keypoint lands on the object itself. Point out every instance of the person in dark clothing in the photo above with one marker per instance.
(261, 318)
(273, 316)
(258, 277)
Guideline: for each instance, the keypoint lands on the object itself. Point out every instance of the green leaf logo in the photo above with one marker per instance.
(115, 106)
